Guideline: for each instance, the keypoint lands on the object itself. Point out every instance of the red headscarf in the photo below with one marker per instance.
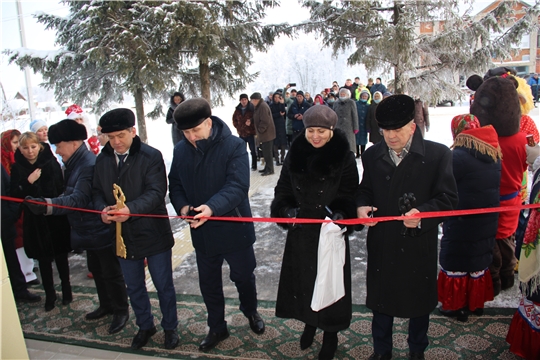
(463, 122)
(8, 156)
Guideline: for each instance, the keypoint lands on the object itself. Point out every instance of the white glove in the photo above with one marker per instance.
(532, 153)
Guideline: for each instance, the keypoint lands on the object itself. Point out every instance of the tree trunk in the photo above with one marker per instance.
(139, 112)
(204, 73)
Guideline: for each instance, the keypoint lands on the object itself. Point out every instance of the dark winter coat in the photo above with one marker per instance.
(467, 242)
(87, 229)
(239, 120)
(9, 209)
(176, 133)
(421, 115)
(371, 124)
(264, 124)
(44, 236)
(362, 110)
(144, 182)
(347, 120)
(215, 173)
(279, 123)
(294, 109)
(402, 270)
(312, 179)
(377, 87)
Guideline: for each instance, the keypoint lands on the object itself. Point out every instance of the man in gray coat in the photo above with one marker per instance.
(347, 113)
(266, 131)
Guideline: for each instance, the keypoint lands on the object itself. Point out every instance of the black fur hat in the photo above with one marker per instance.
(496, 102)
(66, 130)
(394, 112)
(191, 113)
(117, 120)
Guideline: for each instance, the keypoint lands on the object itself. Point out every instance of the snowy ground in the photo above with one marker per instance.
(270, 238)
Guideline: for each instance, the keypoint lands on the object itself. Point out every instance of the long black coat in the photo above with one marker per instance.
(310, 180)
(467, 242)
(215, 173)
(371, 124)
(402, 270)
(144, 182)
(44, 236)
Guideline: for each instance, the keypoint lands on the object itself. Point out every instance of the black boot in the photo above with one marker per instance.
(50, 299)
(67, 295)
(254, 163)
(329, 345)
(307, 336)
(45, 268)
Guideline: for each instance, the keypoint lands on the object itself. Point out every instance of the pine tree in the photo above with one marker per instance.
(383, 37)
(145, 48)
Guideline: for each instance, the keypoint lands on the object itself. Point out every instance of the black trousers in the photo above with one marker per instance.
(381, 327)
(16, 276)
(47, 279)
(252, 149)
(241, 265)
(109, 279)
(267, 149)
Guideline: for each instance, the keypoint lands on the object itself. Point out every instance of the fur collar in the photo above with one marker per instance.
(44, 158)
(304, 158)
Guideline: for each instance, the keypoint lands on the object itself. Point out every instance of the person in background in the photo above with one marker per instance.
(138, 169)
(464, 282)
(277, 108)
(378, 86)
(372, 126)
(210, 177)
(289, 99)
(331, 100)
(243, 122)
(319, 100)
(36, 173)
(421, 116)
(75, 112)
(309, 98)
(296, 112)
(88, 232)
(9, 233)
(369, 84)
(176, 99)
(362, 107)
(318, 179)
(266, 131)
(386, 94)
(403, 283)
(345, 109)
(533, 82)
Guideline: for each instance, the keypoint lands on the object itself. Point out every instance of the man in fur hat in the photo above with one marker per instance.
(402, 256)
(139, 170)
(210, 177)
(88, 232)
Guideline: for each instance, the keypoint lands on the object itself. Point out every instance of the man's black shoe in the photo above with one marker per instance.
(256, 323)
(376, 356)
(263, 170)
(142, 338)
(28, 297)
(212, 339)
(98, 313)
(33, 282)
(118, 323)
(416, 356)
(171, 339)
(266, 173)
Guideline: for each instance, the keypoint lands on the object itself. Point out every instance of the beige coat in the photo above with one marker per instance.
(264, 123)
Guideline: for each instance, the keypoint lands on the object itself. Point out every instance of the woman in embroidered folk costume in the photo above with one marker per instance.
(464, 282)
(524, 332)
(318, 179)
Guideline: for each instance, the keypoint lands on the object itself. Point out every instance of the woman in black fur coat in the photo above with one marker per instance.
(36, 173)
(319, 176)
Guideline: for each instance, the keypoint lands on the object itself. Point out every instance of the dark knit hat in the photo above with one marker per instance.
(244, 96)
(299, 92)
(117, 120)
(191, 113)
(394, 112)
(496, 102)
(255, 96)
(320, 116)
(67, 130)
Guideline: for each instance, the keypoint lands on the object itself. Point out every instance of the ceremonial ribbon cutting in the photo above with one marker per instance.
(422, 215)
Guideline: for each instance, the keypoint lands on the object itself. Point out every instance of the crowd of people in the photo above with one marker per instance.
(316, 142)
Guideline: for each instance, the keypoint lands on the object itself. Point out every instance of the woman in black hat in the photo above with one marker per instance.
(318, 179)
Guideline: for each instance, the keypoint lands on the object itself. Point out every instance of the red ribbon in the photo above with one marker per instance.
(421, 215)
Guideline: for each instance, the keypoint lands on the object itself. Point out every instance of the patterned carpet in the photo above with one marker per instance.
(479, 338)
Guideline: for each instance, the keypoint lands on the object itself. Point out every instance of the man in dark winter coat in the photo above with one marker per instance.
(176, 99)
(266, 131)
(140, 172)
(88, 232)
(378, 86)
(296, 111)
(243, 122)
(210, 177)
(402, 256)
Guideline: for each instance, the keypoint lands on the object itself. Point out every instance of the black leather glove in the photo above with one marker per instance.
(36, 209)
(290, 213)
(338, 216)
